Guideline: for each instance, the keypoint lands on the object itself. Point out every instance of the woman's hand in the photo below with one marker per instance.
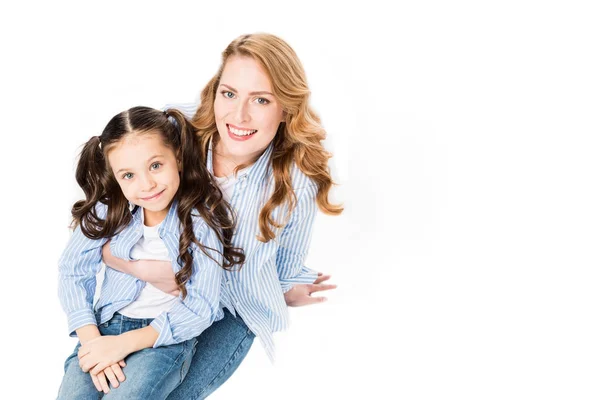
(158, 273)
(300, 295)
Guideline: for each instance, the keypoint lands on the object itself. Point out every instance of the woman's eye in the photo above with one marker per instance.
(128, 175)
(155, 166)
(263, 101)
(228, 94)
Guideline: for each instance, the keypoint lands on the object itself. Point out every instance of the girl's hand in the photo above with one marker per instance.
(114, 374)
(101, 353)
(158, 273)
(300, 295)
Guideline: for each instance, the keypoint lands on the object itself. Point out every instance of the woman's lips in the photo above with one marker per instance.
(240, 134)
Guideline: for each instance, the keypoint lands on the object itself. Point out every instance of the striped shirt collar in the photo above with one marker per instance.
(169, 224)
(256, 172)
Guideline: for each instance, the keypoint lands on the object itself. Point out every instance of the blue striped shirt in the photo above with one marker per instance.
(82, 259)
(256, 291)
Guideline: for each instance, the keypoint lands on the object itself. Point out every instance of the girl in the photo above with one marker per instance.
(262, 142)
(146, 191)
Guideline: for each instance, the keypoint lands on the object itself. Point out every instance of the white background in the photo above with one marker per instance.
(466, 142)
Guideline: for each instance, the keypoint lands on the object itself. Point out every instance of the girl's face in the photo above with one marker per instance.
(147, 172)
(246, 111)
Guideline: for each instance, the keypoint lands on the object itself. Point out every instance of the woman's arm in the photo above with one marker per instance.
(298, 282)
(159, 273)
(191, 316)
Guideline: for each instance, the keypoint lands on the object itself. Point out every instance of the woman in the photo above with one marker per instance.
(263, 144)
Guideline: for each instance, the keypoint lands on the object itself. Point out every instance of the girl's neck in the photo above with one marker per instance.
(153, 218)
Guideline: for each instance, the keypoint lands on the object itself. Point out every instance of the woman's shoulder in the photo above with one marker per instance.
(301, 181)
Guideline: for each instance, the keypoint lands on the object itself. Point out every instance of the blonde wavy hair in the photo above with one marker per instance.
(298, 138)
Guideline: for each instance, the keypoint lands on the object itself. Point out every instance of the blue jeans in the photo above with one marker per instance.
(151, 373)
(220, 350)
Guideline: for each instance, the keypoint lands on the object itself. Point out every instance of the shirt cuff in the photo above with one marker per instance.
(307, 275)
(116, 251)
(79, 318)
(166, 335)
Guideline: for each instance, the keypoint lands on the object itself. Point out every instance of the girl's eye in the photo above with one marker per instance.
(263, 101)
(228, 94)
(155, 165)
(127, 175)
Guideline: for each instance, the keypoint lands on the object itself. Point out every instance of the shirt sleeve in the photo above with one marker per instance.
(77, 269)
(191, 316)
(295, 242)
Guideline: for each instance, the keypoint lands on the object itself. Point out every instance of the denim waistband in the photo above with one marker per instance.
(122, 318)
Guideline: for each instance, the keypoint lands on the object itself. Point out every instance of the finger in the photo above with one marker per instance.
(122, 363)
(103, 382)
(99, 368)
(322, 278)
(96, 383)
(118, 372)
(316, 300)
(320, 288)
(83, 350)
(110, 375)
(86, 364)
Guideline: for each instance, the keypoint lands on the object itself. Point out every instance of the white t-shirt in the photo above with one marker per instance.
(151, 302)
(227, 183)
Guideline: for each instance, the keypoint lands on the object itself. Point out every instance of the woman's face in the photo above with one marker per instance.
(246, 111)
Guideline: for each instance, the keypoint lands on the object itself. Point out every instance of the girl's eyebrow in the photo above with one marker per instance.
(150, 159)
(263, 92)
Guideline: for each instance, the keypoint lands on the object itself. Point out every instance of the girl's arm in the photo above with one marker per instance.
(185, 320)
(78, 266)
(159, 273)
(99, 353)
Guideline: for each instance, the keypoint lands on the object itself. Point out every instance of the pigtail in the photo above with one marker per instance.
(199, 192)
(89, 176)
(93, 176)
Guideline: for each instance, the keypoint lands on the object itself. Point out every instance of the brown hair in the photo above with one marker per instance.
(197, 190)
(298, 138)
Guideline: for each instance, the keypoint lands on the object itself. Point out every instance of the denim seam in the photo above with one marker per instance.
(237, 351)
(193, 346)
(169, 371)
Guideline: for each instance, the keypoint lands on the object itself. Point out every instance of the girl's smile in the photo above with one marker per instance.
(153, 197)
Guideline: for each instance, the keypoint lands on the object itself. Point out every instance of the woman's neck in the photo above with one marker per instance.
(224, 163)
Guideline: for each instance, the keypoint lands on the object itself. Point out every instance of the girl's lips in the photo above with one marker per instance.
(156, 196)
(236, 137)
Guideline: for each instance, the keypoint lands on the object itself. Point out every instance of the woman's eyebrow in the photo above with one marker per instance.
(262, 92)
